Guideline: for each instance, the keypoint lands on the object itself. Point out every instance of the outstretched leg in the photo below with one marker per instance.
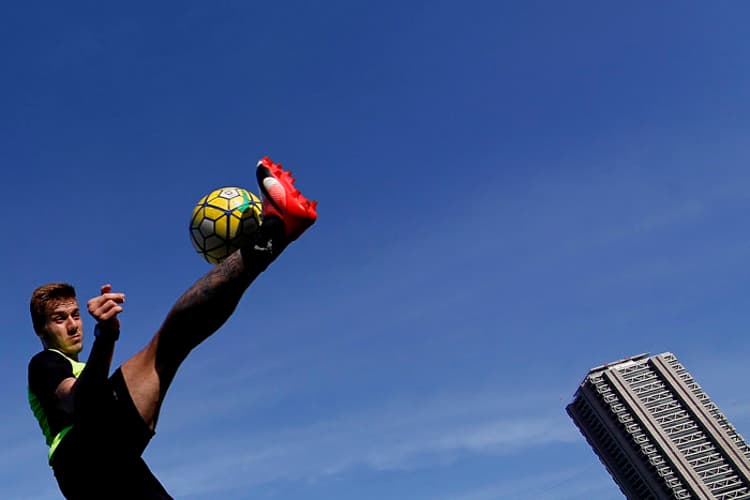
(205, 306)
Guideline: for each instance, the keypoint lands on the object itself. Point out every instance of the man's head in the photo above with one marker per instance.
(57, 319)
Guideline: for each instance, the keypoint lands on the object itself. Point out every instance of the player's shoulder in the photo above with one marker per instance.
(46, 358)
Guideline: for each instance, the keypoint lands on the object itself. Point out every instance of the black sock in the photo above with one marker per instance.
(267, 243)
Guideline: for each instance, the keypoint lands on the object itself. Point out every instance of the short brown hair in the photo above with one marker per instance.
(43, 296)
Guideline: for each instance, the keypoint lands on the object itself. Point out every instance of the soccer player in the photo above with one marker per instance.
(96, 425)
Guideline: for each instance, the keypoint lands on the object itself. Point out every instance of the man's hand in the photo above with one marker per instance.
(105, 309)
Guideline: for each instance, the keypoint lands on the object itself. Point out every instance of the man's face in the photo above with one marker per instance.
(63, 329)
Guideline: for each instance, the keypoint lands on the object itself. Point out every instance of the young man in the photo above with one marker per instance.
(98, 426)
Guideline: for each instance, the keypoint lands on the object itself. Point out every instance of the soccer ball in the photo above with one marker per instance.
(223, 221)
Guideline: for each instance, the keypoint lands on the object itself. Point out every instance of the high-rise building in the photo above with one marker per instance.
(658, 434)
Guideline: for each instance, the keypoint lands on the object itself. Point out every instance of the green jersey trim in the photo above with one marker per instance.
(36, 407)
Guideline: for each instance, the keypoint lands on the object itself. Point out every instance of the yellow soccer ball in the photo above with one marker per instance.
(223, 221)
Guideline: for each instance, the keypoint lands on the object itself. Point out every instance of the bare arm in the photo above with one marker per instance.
(64, 394)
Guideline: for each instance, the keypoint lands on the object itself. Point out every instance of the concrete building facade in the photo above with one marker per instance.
(658, 433)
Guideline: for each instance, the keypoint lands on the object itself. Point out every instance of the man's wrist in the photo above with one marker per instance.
(106, 333)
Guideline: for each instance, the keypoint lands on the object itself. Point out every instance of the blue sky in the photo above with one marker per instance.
(510, 193)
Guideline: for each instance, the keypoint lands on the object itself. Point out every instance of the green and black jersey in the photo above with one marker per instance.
(46, 370)
(92, 457)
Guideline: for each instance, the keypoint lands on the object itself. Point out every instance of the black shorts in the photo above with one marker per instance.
(101, 458)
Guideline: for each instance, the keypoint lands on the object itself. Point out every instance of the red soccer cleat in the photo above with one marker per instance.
(281, 199)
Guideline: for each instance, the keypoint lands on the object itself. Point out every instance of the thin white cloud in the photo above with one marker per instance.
(565, 484)
(410, 435)
(679, 213)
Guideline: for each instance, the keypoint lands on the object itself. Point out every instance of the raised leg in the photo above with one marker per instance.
(203, 308)
(198, 313)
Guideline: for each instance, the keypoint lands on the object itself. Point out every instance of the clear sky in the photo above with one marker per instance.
(510, 193)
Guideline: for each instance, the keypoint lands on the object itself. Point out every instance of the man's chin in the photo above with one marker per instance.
(73, 349)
